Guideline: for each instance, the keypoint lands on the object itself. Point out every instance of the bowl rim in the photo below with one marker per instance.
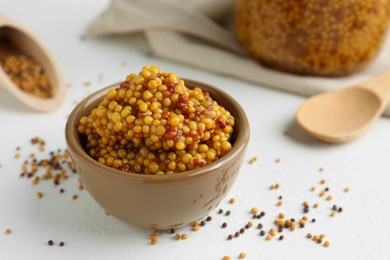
(240, 144)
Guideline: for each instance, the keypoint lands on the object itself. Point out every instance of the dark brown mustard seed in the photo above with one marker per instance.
(262, 233)
(326, 189)
(301, 225)
(172, 231)
(62, 243)
(220, 211)
(313, 220)
(280, 229)
(334, 207)
(319, 241)
(230, 237)
(228, 213)
(202, 223)
(247, 226)
(280, 197)
(340, 209)
(259, 226)
(242, 230)
(224, 225)
(237, 234)
(50, 242)
(62, 190)
(209, 218)
(281, 237)
(262, 214)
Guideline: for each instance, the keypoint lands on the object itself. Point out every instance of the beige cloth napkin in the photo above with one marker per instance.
(190, 32)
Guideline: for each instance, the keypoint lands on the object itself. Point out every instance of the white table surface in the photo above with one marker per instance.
(361, 231)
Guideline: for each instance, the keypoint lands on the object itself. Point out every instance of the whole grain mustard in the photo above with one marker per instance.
(153, 124)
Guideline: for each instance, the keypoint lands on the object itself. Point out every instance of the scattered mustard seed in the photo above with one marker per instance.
(226, 257)
(329, 197)
(254, 210)
(8, 231)
(232, 201)
(333, 214)
(39, 195)
(346, 189)
(74, 197)
(242, 255)
(184, 236)
(279, 204)
(326, 244)
(323, 181)
(253, 160)
(309, 235)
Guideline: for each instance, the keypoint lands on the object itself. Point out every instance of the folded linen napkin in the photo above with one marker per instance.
(191, 32)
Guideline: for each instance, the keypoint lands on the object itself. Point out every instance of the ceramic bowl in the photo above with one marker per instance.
(159, 201)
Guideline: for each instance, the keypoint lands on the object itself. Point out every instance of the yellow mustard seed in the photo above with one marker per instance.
(280, 203)
(184, 236)
(232, 200)
(226, 257)
(309, 235)
(177, 236)
(39, 195)
(254, 210)
(329, 197)
(242, 255)
(8, 231)
(327, 244)
(346, 189)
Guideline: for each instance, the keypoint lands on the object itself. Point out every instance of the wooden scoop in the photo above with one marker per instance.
(342, 115)
(29, 44)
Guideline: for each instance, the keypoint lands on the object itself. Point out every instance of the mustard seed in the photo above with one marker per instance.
(323, 181)
(259, 226)
(281, 237)
(329, 198)
(230, 237)
(220, 211)
(8, 231)
(228, 213)
(226, 257)
(326, 244)
(172, 231)
(74, 197)
(39, 195)
(50, 242)
(262, 233)
(346, 189)
(254, 210)
(309, 235)
(232, 200)
(279, 204)
(61, 243)
(224, 225)
(242, 255)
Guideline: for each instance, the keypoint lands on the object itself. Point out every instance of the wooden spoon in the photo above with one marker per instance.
(29, 44)
(342, 115)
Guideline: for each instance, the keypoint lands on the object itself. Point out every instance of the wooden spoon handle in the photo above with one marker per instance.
(380, 86)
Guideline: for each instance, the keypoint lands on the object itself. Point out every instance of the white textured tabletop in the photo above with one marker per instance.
(293, 160)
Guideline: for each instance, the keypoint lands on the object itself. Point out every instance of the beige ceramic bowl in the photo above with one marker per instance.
(165, 201)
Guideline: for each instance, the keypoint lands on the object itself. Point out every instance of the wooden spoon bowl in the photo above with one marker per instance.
(32, 46)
